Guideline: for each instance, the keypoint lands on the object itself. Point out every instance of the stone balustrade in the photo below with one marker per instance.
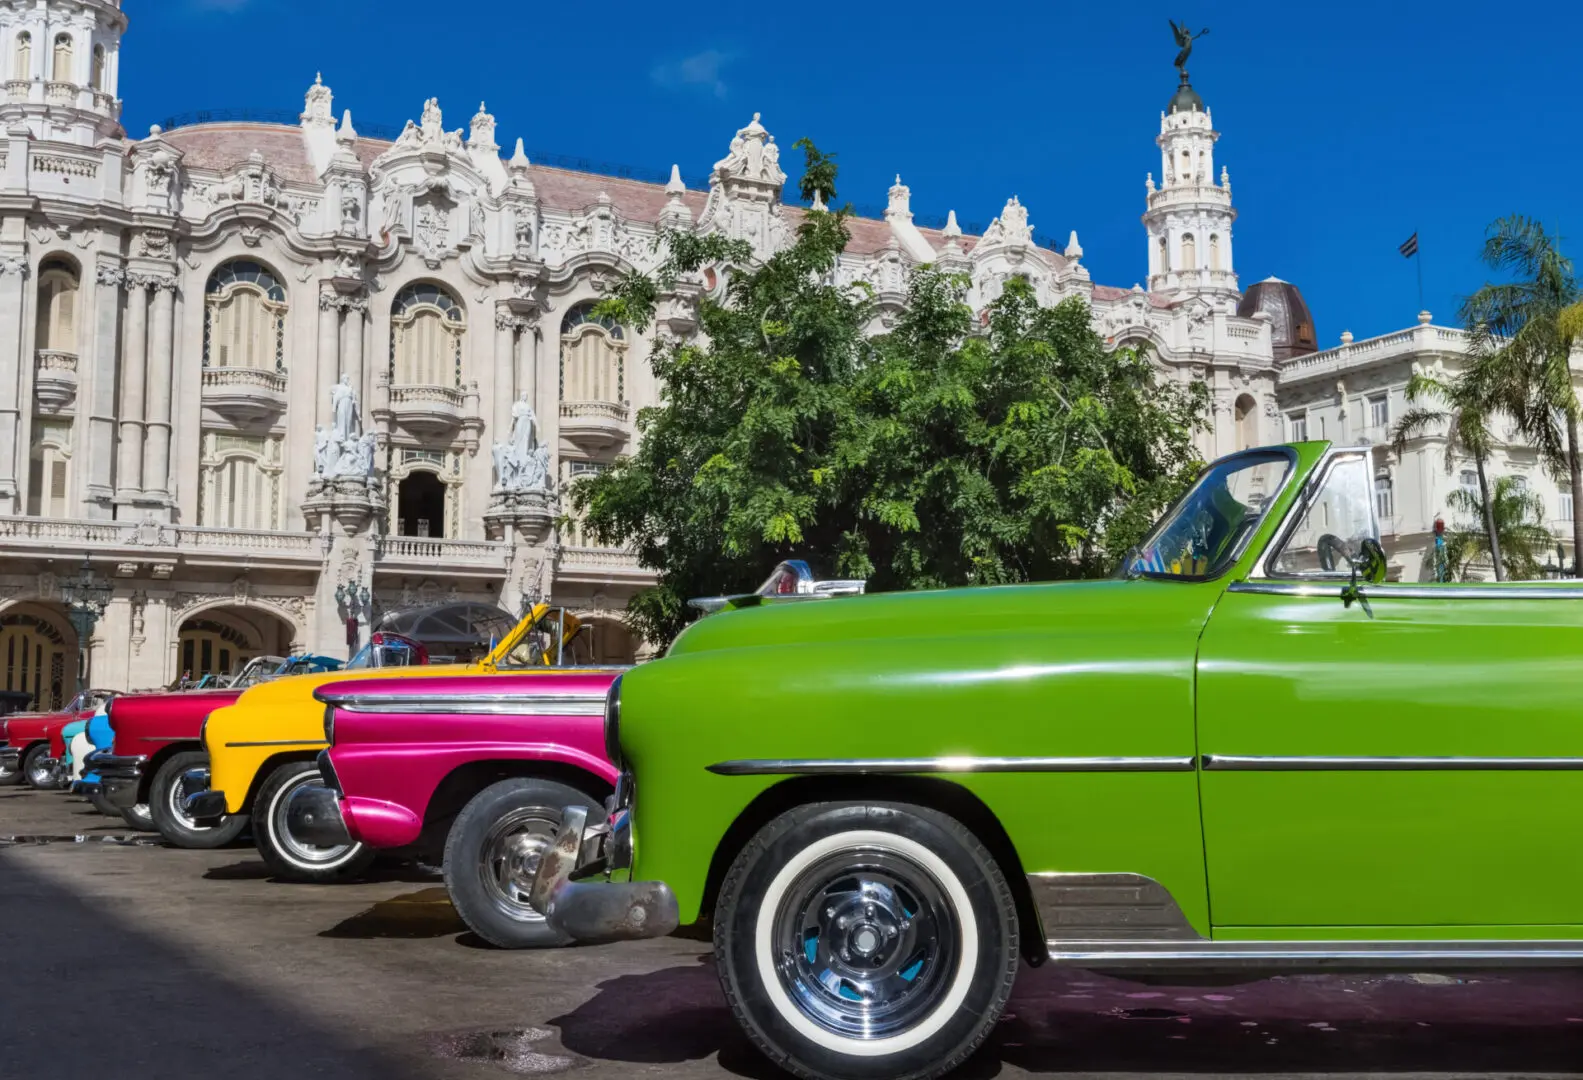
(429, 552)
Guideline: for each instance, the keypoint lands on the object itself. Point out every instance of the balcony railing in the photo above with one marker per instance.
(602, 410)
(598, 558)
(434, 551)
(57, 360)
(65, 534)
(242, 377)
(425, 395)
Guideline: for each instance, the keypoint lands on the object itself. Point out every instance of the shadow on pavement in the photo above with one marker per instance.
(426, 913)
(157, 1011)
(1073, 1021)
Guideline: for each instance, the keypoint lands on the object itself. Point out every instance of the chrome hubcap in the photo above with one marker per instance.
(294, 846)
(511, 853)
(173, 805)
(865, 943)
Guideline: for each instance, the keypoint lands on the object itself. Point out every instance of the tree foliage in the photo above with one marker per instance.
(1518, 515)
(950, 450)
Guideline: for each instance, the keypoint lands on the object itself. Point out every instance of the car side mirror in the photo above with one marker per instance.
(1369, 565)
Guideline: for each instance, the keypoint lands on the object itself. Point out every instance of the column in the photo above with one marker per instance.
(99, 404)
(528, 374)
(156, 448)
(13, 285)
(129, 462)
(352, 346)
(329, 364)
(504, 383)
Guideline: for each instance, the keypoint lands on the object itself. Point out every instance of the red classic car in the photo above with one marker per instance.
(158, 738)
(34, 747)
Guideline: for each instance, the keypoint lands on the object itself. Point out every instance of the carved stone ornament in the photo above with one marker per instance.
(13, 264)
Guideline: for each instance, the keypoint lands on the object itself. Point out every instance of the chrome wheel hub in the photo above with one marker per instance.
(865, 943)
(512, 850)
(294, 846)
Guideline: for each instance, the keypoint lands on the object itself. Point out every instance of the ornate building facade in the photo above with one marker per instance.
(270, 378)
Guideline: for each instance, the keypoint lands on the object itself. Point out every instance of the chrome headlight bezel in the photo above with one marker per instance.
(613, 722)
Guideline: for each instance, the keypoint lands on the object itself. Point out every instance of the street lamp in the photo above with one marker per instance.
(86, 598)
(353, 601)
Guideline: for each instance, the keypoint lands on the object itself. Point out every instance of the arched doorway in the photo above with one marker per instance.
(1246, 415)
(38, 655)
(420, 502)
(221, 641)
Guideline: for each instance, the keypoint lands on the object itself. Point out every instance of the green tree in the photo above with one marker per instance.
(1519, 523)
(1523, 331)
(944, 452)
(1460, 405)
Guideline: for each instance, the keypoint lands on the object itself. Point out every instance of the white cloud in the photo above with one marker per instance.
(701, 70)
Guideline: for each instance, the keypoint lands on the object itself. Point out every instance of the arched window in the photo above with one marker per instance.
(1384, 499)
(213, 648)
(1164, 256)
(34, 651)
(22, 59)
(1214, 251)
(1246, 414)
(57, 307)
(244, 318)
(593, 357)
(421, 501)
(49, 469)
(61, 68)
(1189, 252)
(98, 68)
(426, 329)
(239, 482)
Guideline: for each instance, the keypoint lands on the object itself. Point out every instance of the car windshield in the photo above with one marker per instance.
(542, 645)
(1206, 531)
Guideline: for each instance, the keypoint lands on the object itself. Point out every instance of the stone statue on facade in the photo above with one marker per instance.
(1184, 41)
(521, 464)
(342, 450)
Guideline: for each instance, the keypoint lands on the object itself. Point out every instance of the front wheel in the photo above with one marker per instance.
(866, 941)
(139, 817)
(10, 777)
(492, 855)
(170, 817)
(291, 857)
(40, 773)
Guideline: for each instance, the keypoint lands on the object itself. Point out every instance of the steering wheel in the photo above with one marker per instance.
(1332, 550)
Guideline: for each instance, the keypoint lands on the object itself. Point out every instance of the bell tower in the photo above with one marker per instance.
(1189, 214)
(59, 68)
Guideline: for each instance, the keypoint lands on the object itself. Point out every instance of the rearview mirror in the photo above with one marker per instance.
(1370, 564)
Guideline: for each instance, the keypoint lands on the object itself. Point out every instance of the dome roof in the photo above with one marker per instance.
(1185, 99)
(1291, 325)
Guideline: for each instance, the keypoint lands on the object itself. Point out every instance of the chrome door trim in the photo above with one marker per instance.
(1372, 955)
(537, 705)
(837, 766)
(1107, 907)
(1277, 763)
(279, 742)
(1388, 591)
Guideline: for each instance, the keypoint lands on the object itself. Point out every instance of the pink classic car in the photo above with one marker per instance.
(476, 766)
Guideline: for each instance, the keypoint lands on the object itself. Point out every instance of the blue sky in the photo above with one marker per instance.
(1346, 126)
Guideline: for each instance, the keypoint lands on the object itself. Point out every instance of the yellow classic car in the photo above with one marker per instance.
(265, 745)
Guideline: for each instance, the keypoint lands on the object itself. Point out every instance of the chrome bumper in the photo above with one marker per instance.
(313, 814)
(202, 805)
(119, 778)
(597, 908)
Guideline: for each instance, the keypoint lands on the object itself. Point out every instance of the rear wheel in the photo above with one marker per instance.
(289, 856)
(170, 817)
(493, 852)
(866, 941)
(10, 777)
(39, 775)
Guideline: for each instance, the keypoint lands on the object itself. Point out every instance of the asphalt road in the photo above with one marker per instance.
(131, 961)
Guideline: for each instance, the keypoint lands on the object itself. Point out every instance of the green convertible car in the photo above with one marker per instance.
(1248, 752)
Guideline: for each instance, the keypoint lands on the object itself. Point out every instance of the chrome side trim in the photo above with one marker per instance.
(1275, 763)
(1108, 907)
(1332, 588)
(1373, 955)
(280, 742)
(543, 705)
(838, 766)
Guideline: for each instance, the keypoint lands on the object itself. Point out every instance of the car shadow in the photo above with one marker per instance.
(1073, 1021)
(158, 1010)
(424, 913)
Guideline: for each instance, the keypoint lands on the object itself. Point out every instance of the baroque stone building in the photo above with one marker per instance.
(255, 373)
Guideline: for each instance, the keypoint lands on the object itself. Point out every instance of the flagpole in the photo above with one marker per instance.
(1418, 261)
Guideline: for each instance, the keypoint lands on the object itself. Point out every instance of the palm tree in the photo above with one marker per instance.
(1522, 332)
(1518, 515)
(1460, 405)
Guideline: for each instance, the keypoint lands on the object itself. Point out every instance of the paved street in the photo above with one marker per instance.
(139, 961)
